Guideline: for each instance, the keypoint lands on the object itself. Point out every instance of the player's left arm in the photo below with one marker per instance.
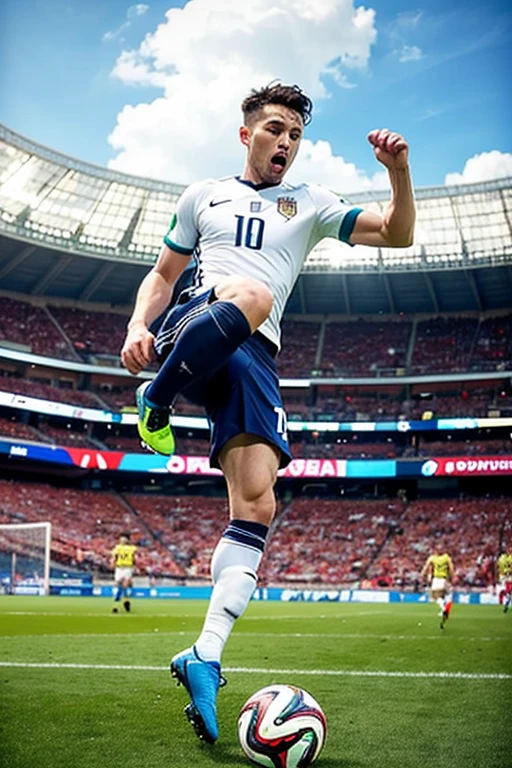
(395, 229)
(426, 570)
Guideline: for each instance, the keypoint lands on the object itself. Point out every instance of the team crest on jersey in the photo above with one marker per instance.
(287, 207)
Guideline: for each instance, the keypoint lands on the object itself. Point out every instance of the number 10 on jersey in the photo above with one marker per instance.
(249, 232)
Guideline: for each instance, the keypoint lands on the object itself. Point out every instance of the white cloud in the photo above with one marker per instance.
(483, 167)
(410, 53)
(317, 164)
(409, 19)
(205, 57)
(132, 13)
(136, 10)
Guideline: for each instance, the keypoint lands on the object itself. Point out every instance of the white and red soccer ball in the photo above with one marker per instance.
(282, 726)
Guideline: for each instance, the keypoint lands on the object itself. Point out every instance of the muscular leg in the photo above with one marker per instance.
(250, 468)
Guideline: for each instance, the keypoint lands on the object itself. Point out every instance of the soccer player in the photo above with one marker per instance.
(504, 579)
(123, 559)
(250, 236)
(439, 571)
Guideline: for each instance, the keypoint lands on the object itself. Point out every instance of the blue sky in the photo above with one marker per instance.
(155, 94)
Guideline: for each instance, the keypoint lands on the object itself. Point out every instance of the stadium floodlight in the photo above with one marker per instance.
(25, 557)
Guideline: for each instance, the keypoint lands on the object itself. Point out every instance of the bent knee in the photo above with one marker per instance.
(259, 510)
(251, 296)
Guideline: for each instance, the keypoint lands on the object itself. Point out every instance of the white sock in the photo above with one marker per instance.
(234, 569)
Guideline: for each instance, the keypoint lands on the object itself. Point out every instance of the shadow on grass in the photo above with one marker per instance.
(224, 755)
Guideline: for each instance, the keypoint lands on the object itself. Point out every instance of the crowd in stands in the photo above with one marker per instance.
(31, 326)
(470, 530)
(299, 404)
(355, 347)
(188, 526)
(85, 525)
(363, 347)
(91, 333)
(66, 434)
(343, 448)
(299, 348)
(44, 391)
(18, 430)
(327, 541)
(444, 344)
(494, 342)
(335, 542)
(464, 447)
(302, 445)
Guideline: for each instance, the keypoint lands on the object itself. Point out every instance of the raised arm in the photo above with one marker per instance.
(153, 297)
(396, 228)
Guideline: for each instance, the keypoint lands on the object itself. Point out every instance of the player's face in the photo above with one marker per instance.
(272, 140)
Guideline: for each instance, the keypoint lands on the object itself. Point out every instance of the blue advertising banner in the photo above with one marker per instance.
(264, 594)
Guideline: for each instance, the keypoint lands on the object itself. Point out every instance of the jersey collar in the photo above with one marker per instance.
(257, 187)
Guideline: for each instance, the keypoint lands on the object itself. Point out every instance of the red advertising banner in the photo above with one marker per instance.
(465, 466)
(200, 465)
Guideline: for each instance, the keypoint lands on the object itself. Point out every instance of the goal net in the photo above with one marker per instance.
(25, 558)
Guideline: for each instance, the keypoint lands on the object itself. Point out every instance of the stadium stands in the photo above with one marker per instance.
(356, 347)
(364, 347)
(470, 529)
(31, 326)
(327, 541)
(441, 306)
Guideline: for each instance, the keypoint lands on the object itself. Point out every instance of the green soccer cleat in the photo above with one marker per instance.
(153, 425)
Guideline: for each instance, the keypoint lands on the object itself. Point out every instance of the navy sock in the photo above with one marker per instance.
(118, 593)
(246, 532)
(202, 347)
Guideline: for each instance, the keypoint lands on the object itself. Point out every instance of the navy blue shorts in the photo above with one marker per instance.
(241, 397)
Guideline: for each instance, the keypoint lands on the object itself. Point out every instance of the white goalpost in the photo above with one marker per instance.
(25, 555)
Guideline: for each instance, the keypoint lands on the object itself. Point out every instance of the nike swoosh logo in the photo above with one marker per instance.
(218, 202)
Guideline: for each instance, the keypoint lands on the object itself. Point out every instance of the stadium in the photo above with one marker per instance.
(396, 376)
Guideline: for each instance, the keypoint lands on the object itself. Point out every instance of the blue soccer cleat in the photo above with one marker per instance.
(202, 679)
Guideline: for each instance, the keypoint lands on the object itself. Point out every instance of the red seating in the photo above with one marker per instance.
(30, 325)
(471, 528)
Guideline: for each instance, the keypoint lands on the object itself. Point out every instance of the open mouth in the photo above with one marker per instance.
(278, 162)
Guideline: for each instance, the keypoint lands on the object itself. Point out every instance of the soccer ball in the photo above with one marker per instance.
(282, 726)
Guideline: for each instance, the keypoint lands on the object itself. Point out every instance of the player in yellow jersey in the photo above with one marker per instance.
(439, 570)
(504, 579)
(123, 560)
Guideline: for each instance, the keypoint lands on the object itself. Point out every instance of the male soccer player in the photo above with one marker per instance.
(504, 579)
(123, 559)
(439, 570)
(250, 235)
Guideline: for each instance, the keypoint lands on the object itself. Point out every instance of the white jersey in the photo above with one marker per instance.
(234, 227)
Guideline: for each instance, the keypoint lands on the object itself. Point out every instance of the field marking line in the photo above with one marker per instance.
(240, 633)
(289, 617)
(271, 671)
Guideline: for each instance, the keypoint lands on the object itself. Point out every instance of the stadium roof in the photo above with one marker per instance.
(73, 230)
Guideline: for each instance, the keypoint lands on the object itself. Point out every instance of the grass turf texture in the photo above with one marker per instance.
(64, 717)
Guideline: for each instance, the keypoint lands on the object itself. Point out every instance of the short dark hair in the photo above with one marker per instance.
(290, 96)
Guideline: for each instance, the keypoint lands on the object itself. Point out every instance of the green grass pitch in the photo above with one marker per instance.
(83, 688)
